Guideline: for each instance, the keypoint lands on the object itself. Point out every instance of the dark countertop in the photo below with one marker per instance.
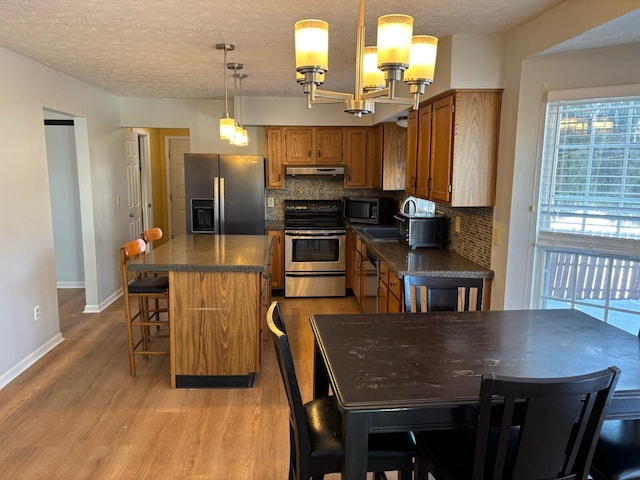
(208, 253)
(438, 262)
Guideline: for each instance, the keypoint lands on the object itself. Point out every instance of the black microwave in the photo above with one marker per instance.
(373, 210)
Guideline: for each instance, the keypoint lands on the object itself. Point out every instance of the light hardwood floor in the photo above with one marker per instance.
(78, 414)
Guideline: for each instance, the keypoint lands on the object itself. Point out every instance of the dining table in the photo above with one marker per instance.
(395, 372)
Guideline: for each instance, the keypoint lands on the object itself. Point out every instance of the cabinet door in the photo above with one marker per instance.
(424, 159)
(441, 150)
(355, 158)
(375, 154)
(328, 146)
(277, 258)
(275, 158)
(412, 152)
(299, 146)
(393, 157)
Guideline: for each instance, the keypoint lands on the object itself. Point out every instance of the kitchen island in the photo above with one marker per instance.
(219, 290)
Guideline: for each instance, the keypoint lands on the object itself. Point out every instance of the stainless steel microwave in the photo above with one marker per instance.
(372, 210)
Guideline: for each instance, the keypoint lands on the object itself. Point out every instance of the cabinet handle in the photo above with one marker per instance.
(319, 155)
(309, 153)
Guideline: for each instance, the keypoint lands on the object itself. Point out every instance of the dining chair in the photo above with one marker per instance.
(151, 235)
(527, 429)
(140, 340)
(315, 427)
(617, 455)
(435, 294)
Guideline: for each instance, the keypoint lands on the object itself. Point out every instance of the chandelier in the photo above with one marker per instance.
(399, 55)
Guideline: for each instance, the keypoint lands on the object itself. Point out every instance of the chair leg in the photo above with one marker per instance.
(127, 315)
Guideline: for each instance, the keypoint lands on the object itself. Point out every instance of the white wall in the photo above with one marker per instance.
(25, 212)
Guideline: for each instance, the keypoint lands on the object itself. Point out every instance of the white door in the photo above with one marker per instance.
(177, 148)
(133, 184)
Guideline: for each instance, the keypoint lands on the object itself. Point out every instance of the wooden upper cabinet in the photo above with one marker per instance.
(419, 152)
(456, 148)
(355, 158)
(299, 146)
(389, 157)
(313, 146)
(328, 146)
(274, 149)
(412, 152)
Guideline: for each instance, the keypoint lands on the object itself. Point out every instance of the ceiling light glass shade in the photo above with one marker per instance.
(227, 127)
(422, 61)
(373, 77)
(243, 141)
(312, 44)
(394, 40)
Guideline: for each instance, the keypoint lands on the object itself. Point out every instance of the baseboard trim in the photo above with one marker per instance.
(29, 360)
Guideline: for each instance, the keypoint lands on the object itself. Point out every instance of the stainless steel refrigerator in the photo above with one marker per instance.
(224, 193)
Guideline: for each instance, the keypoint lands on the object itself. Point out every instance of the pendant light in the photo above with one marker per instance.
(227, 123)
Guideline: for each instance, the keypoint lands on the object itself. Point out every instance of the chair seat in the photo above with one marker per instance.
(325, 434)
(149, 285)
(617, 455)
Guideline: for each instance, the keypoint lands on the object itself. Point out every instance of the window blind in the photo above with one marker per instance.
(590, 176)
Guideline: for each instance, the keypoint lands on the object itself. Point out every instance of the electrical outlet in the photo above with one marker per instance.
(270, 202)
(118, 201)
(36, 313)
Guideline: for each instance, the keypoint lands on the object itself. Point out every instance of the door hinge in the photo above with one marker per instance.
(453, 108)
(450, 188)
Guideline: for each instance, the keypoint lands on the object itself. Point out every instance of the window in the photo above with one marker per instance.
(588, 232)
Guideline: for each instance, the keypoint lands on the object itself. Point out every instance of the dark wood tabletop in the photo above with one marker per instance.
(393, 372)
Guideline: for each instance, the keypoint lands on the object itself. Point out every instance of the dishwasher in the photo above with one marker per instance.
(371, 284)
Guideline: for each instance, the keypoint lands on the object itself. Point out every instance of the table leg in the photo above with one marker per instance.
(320, 376)
(355, 438)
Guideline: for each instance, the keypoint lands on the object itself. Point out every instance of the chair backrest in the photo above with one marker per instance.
(151, 235)
(433, 294)
(297, 419)
(558, 423)
(130, 251)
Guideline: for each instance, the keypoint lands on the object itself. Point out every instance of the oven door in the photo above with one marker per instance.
(315, 250)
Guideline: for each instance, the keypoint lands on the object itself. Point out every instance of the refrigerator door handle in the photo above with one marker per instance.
(216, 204)
(221, 209)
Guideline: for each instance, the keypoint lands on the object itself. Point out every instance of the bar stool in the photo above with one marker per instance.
(140, 340)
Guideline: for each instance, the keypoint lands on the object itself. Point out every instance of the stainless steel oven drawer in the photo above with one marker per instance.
(331, 284)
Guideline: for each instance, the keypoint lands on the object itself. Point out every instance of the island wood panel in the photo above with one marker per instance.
(214, 327)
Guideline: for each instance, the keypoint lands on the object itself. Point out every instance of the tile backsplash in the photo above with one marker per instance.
(476, 223)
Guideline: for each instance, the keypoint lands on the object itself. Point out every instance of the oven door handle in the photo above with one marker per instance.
(315, 234)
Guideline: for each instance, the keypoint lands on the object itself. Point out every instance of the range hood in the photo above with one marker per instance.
(315, 171)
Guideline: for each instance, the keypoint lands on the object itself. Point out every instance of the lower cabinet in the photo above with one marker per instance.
(389, 290)
(277, 258)
(217, 326)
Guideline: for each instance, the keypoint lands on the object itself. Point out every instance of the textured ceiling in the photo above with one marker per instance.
(166, 48)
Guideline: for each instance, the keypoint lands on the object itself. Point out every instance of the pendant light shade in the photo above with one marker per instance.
(312, 44)
(373, 77)
(422, 62)
(227, 127)
(394, 40)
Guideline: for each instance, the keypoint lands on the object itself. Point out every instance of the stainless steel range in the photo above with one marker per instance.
(314, 249)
